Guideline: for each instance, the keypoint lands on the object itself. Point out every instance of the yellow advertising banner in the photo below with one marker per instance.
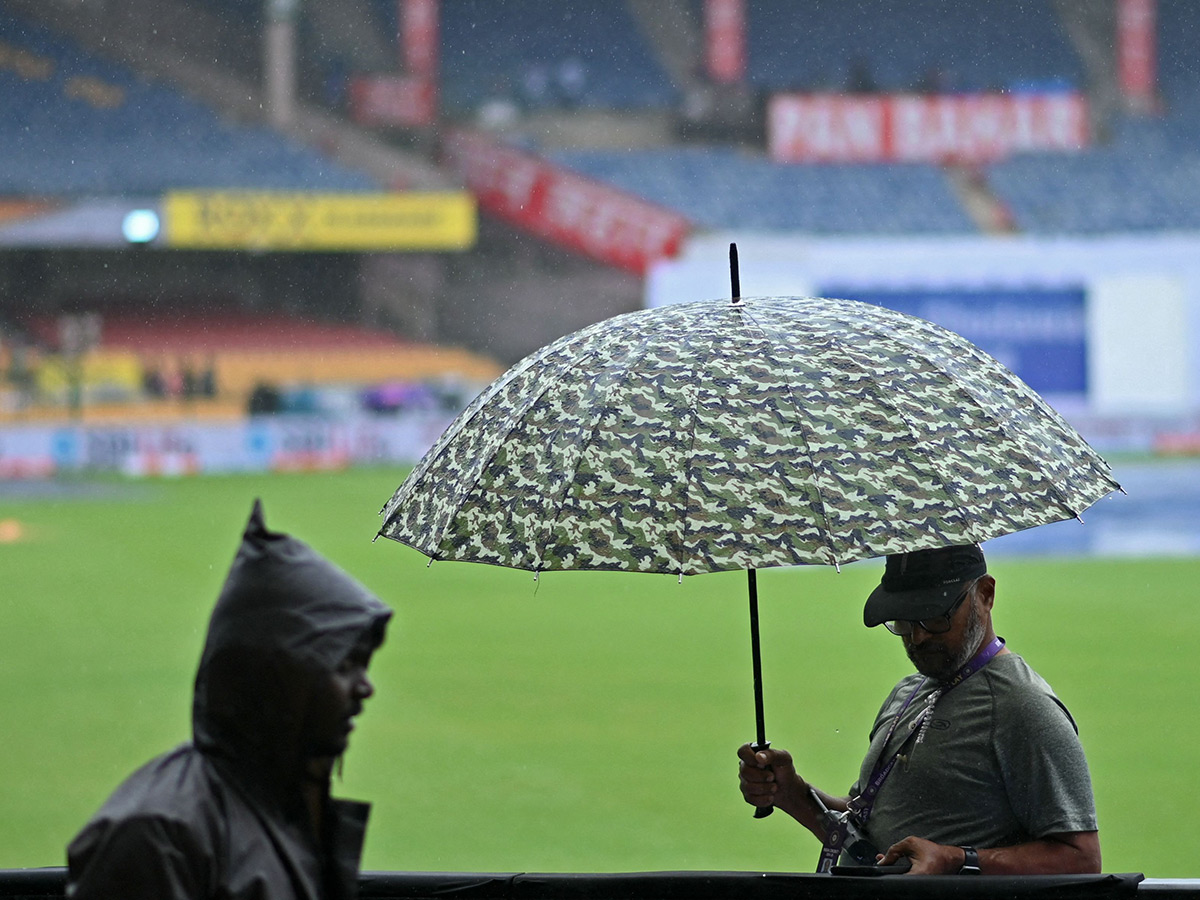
(257, 220)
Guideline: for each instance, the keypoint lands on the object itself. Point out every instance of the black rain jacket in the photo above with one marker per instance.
(223, 816)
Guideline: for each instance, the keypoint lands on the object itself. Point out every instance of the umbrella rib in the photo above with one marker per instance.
(596, 386)
(950, 485)
(689, 390)
(773, 336)
(947, 485)
(1006, 423)
(457, 426)
(466, 482)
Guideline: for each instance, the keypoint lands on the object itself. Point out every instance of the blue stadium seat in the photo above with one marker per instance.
(812, 44)
(1146, 178)
(726, 188)
(514, 50)
(71, 123)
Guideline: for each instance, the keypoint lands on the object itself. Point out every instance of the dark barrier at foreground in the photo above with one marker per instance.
(50, 883)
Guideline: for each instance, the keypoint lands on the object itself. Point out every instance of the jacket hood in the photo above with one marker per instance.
(286, 617)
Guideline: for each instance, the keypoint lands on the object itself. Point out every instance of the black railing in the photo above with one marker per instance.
(51, 883)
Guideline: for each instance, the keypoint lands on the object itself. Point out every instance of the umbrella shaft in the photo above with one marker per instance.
(756, 658)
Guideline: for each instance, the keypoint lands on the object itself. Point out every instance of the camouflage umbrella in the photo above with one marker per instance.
(766, 431)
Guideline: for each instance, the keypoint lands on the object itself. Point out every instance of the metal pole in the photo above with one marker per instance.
(761, 742)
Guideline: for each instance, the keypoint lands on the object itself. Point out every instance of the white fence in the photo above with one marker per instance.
(263, 443)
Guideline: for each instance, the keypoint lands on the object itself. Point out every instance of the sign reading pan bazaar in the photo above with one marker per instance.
(244, 220)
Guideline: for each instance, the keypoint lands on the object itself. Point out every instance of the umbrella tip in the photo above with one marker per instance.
(735, 280)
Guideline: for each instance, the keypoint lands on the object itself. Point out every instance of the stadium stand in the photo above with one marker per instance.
(793, 46)
(515, 50)
(1147, 178)
(212, 365)
(1144, 179)
(907, 45)
(730, 188)
(76, 124)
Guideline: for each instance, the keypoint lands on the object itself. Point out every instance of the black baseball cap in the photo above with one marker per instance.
(923, 584)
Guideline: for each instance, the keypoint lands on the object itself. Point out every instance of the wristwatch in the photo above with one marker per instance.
(970, 864)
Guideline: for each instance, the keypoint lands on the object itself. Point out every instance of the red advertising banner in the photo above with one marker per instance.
(419, 37)
(725, 40)
(827, 128)
(967, 128)
(563, 207)
(392, 100)
(1137, 52)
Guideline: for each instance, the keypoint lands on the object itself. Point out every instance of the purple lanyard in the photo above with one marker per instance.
(863, 802)
(859, 808)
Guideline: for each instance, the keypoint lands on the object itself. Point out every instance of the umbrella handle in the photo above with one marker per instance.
(761, 812)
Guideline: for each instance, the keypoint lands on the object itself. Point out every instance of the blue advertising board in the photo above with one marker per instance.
(1038, 333)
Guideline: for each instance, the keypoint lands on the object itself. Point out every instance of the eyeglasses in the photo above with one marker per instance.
(938, 625)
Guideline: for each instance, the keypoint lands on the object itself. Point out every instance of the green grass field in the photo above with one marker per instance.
(585, 722)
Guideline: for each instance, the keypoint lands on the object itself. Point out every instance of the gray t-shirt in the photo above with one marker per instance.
(1001, 763)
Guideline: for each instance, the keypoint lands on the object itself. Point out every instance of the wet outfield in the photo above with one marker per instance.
(1158, 515)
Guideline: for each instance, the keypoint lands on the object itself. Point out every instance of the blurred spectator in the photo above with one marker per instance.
(22, 371)
(153, 385)
(572, 82)
(861, 79)
(499, 110)
(535, 86)
(934, 81)
(208, 378)
(398, 397)
(264, 400)
(188, 382)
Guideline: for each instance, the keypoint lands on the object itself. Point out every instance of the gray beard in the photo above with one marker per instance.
(972, 638)
(971, 642)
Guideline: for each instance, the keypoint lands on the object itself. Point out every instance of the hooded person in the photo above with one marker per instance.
(244, 810)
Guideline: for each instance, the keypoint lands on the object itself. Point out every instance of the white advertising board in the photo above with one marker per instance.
(1138, 329)
(264, 443)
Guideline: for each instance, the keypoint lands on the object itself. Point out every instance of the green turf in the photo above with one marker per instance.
(585, 722)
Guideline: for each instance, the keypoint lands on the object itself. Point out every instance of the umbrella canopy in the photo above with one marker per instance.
(766, 431)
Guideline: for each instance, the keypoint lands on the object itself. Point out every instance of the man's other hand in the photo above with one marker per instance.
(927, 857)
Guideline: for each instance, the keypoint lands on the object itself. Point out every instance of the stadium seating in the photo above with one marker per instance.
(727, 188)
(1147, 178)
(75, 124)
(245, 352)
(515, 50)
(812, 44)
(1142, 181)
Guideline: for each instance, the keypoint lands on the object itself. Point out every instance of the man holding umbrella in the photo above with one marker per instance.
(974, 764)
